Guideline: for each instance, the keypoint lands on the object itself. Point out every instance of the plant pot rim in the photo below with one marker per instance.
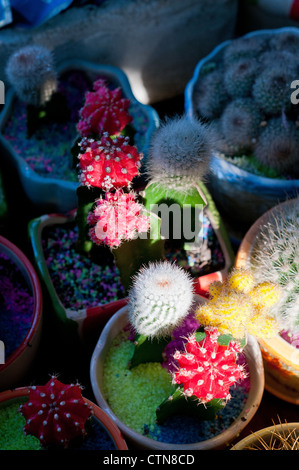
(65, 189)
(221, 440)
(277, 345)
(253, 438)
(37, 296)
(113, 431)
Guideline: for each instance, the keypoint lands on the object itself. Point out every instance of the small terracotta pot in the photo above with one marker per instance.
(267, 435)
(19, 362)
(281, 359)
(254, 359)
(100, 415)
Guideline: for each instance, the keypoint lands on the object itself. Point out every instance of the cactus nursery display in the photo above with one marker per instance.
(181, 365)
(246, 93)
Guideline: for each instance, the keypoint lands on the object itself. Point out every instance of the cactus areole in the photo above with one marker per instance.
(55, 413)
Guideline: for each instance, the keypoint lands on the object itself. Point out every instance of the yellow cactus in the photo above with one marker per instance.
(265, 293)
(241, 280)
(238, 306)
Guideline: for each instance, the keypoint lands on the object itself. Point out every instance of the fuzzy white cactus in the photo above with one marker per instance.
(161, 296)
(276, 259)
(179, 154)
(30, 70)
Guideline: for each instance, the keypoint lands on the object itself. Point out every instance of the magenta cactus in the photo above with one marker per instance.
(55, 413)
(104, 110)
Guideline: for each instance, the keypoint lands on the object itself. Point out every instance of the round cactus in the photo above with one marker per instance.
(271, 89)
(104, 110)
(277, 146)
(55, 413)
(180, 153)
(207, 370)
(276, 258)
(30, 71)
(108, 163)
(160, 298)
(210, 95)
(239, 77)
(240, 125)
(285, 40)
(244, 47)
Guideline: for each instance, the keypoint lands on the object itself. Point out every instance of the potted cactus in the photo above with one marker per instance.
(39, 122)
(75, 253)
(177, 169)
(244, 88)
(55, 416)
(21, 314)
(281, 436)
(270, 249)
(182, 360)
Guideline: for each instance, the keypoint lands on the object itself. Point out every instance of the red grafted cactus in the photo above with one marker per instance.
(55, 413)
(208, 369)
(108, 163)
(104, 110)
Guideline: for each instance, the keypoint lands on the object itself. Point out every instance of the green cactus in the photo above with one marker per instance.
(210, 95)
(239, 77)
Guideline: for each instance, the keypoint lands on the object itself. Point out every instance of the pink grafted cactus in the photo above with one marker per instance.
(108, 163)
(116, 218)
(208, 369)
(55, 413)
(104, 110)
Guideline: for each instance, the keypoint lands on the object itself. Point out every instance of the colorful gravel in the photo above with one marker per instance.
(78, 281)
(48, 151)
(134, 395)
(16, 305)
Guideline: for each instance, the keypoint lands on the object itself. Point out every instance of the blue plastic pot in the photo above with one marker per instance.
(238, 193)
(56, 195)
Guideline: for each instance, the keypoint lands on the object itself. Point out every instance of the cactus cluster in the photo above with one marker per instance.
(260, 70)
(30, 70)
(275, 258)
(240, 305)
(55, 413)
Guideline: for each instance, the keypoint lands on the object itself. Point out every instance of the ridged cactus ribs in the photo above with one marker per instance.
(55, 413)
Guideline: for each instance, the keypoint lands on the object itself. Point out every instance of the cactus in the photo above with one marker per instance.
(241, 305)
(206, 370)
(277, 146)
(55, 413)
(108, 163)
(104, 110)
(210, 95)
(239, 77)
(245, 47)
(286, 40)
(240, 124)
(30, 71)
(275, 258)
(179, 154)
(160, 298)
(271, 89)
